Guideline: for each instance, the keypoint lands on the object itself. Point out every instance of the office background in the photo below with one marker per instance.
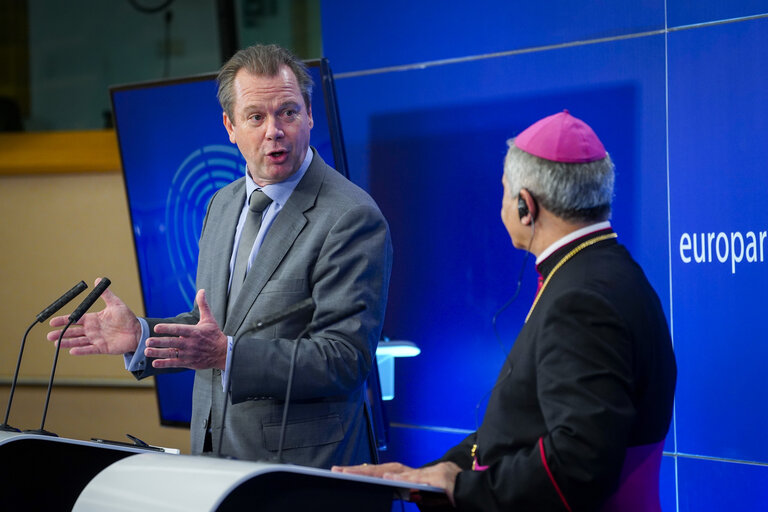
(428, 94)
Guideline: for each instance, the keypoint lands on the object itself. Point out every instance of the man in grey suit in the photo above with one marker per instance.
(319, 236)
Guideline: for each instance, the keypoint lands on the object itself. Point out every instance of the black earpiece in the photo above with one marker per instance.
(522, 208)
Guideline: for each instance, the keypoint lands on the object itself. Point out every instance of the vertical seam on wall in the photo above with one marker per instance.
(669, 238)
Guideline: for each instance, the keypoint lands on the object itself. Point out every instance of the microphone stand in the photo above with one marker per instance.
(42, 430)
(307, 304)
(291, 370)
(41, 317)
(313, 326)
(5, 427)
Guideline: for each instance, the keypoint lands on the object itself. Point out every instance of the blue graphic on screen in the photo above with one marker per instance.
(202, 173)
(176, 154)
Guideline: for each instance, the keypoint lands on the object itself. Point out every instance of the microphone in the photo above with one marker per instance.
(74, 317)
(317, 325)
(304, 306)
(40, 318)
(61, 301)
(89, 300)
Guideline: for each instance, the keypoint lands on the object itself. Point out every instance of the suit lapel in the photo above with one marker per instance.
(280, 238)
(223, 240)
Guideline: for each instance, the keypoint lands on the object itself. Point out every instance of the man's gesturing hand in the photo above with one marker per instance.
(198, 346)
(113, 330)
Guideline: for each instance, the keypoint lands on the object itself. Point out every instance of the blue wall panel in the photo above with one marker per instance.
(362, 35)
(720, 486)
(433, 156)
(668, 483)
(431, 445)
(685, 12)
(718, 118)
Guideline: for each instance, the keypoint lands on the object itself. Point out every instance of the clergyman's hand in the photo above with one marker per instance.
(442, 475)
(378, 470)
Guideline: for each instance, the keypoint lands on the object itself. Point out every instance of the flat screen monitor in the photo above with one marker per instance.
(175, 154)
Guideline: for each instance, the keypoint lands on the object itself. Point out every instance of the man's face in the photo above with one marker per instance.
(270, 124)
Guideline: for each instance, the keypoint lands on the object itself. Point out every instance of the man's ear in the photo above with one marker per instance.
(526, 207)
(522, 207)
(230, 127)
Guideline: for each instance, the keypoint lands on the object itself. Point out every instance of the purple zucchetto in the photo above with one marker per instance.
(561, 138)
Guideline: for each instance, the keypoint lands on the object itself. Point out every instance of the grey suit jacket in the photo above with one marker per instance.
(329, 242)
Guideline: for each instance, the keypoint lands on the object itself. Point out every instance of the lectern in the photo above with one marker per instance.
(48, 473)
(161, 482)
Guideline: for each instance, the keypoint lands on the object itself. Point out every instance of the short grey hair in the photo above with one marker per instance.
(576, 192)
(263, 60)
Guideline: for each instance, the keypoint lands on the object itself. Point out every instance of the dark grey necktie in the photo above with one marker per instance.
(257, 203)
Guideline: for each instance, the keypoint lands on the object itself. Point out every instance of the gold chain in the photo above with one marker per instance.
(560, 263)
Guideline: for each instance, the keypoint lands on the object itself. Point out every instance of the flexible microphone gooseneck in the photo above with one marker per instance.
(314, 326)
(305, 306)
(74, 317)
(40, 318)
